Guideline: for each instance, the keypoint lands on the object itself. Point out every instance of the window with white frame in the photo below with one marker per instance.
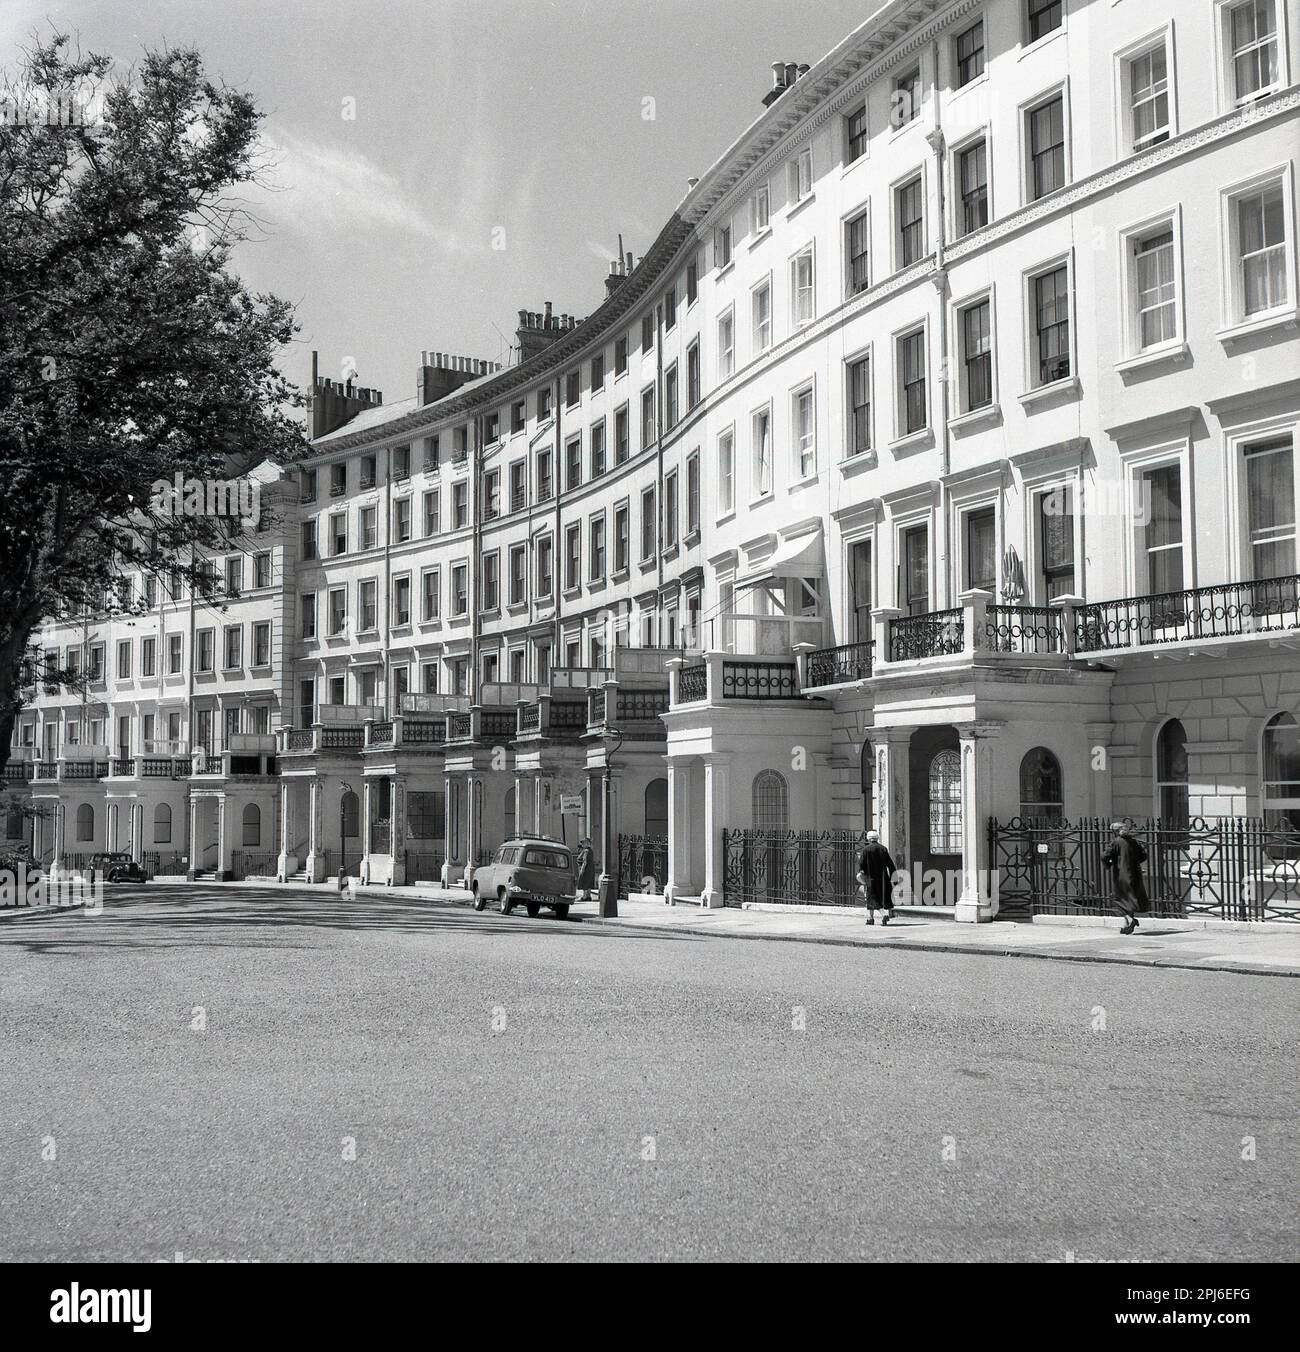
(1041, 18)
(803, 422)
(761, 299)
(649, 526)
(1269, 468)
(1147, 104)
(761, 452)
(968, 53)
(338, 610)
(909, 223)
(760, 209)
(367, 606)
(859, 391)
(801, 175)
(622, 537)
(572, 557)
(913, 406)
(857, 253)
(460, 589)
(430, 594)
(726, 472)
(727, 343)
(1045, 147)
(975, 336)
(856, 140)
(518, 574)
(1153, 287)
(1049, 315)
(1252, 51)
(1260, 266)
(1162, 534)
(905, 97)
(722, 246)
(596, 552)
(545, 566)
(670, 509)
(802, 302)
(972, 186)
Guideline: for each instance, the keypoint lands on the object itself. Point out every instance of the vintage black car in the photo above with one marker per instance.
(116, 867)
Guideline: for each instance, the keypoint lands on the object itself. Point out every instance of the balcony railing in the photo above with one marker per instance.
(413, 703)
(424, 731)
(341, 738)
(938, 634)
(300, 739)
(460, 727)
(1025, 629)
(530, 718)
(381, 734)
(832, 666)
(19, 770)
(744, 679)
(693, 683)
(1227, 610)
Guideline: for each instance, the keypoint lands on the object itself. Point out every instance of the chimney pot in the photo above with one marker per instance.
(629, 262)
(778, 74)
(791, 72)
(548, 311)
(803, 70)
(690, 184)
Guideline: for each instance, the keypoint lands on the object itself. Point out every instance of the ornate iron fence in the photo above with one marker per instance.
(639, 858)
(940, 633)
(341, 739)
(759, 680)
(567, 716)
(167, 862)
(596, 708)
(530, 718)
(797, 868)
(498, 724)
(381, 734)
(460, 727)
(1232, 608)
(849, 662)
(253, 863)
(641, 706)
(1025, 629)
(1232, 868)
(424, 731)
(299, 739)
(693, 683)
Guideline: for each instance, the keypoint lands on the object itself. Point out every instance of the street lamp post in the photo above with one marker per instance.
(608, 905)
(344, 790)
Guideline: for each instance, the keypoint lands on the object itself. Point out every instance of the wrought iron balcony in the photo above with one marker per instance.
(832, 666)
(381, 734)
(530, 718)
(693, 683)
(19, 770)
(940, 633)
(1227, 610)
(1025, 629)
(460, 727)
(752, 679)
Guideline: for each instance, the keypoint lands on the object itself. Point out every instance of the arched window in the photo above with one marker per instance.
(162, 824)
(656, 807)
(945, 803)
(1171, 773)
(252, 825)
(1040, 785)
(85, 823)
(868, 773)
(350, 810)
(509, 814)
(1282, 773)
(771, 802)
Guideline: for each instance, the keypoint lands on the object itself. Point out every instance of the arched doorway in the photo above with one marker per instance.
(656, 807)
(1172, 791)
(1041, 792)
(349, 826)
(935, 807)
(1280, 797)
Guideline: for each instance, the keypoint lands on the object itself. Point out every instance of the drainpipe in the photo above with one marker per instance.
(476, 557)
(659, 463)
(387, 600)
(557, 557)
(936, 140)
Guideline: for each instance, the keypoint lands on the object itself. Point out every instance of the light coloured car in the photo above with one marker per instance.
(534, 870)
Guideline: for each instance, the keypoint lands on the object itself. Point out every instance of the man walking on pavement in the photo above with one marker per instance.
(1125, 858)
(876, 874)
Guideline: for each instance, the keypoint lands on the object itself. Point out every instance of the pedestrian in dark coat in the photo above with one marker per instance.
(876, 874)
(1125, 859)
(586, 870)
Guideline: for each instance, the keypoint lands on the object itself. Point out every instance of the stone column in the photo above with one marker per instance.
(679, 840)
(537, 803)
(59, 824)
(196, 847)
(287, 863)
(521, 799)
(225, 842)
(397, 831)
(367, 806)
(979, 900)
(448, 825)
(473, 807)
(893, 787)
(316, 831)
(717, 815)
(110, 832)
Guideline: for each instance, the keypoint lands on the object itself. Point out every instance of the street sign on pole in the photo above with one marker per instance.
(571, 804)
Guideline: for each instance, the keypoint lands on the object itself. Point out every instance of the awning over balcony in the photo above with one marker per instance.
(801, 555)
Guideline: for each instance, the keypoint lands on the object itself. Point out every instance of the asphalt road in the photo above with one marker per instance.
(265, 1075)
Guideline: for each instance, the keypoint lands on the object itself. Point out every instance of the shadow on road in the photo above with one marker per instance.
(172, 917)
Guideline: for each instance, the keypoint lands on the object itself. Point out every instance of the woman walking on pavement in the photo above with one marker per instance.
(586, 870)
(1125, 858)
(876, 874)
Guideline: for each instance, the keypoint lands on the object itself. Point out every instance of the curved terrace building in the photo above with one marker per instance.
(934, 470)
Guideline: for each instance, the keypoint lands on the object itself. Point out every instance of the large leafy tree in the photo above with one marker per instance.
(130, 352)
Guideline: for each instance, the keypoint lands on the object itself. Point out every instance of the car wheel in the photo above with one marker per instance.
(479, 900)
(115, 876)
(534, 909)
(504, 904)
(562, 911)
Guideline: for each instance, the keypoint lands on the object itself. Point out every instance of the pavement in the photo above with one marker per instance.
(260, 1074)
(1268, 948)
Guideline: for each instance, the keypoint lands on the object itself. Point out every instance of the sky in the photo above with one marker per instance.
(438, 165)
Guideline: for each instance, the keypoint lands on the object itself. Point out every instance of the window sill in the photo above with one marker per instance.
(596, 584)
(670, 552)
(987, 416)
(800, 205)
(490, 613)
(235, 671)
(853, 465)
(808, 481)
(1170, 352)
(761, 235)
(913, 441)
(726, 516)
(1039, 43)
(647, 564)
(402, 628)
(726, 269)
(761, 499)
(620, 574)
(1046, 393)
(981, 78)
(1274, 319)
(258, 668)
(514, 607)
(569, 593)
(851, 165)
